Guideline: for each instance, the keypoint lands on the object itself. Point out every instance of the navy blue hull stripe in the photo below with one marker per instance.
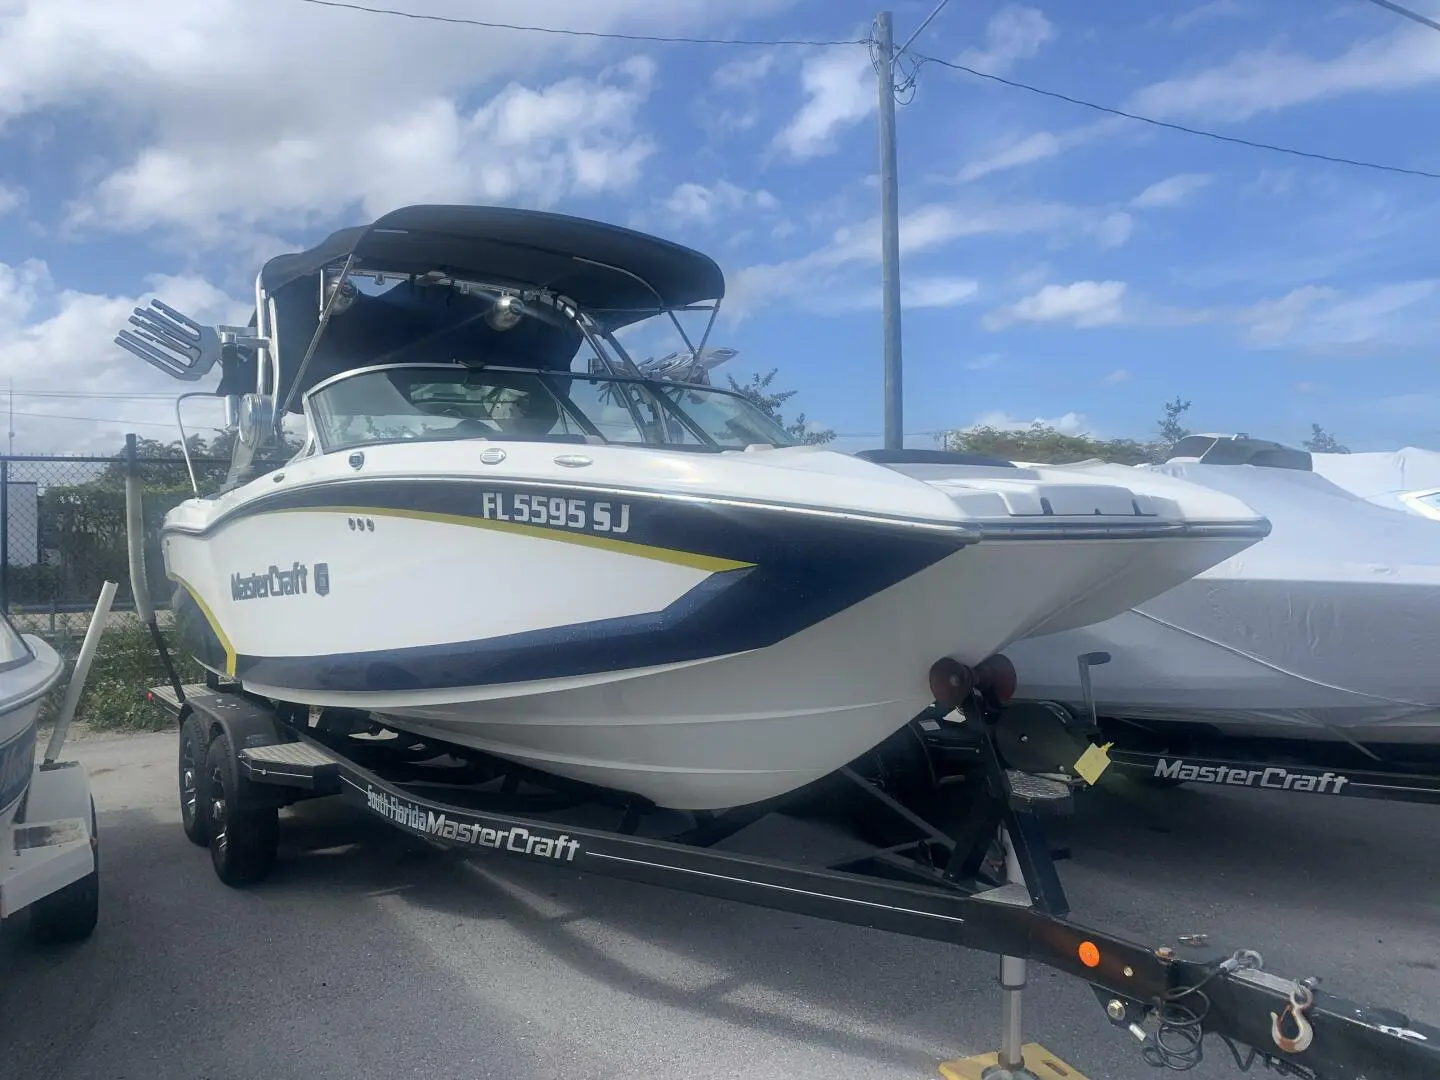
(800, 571)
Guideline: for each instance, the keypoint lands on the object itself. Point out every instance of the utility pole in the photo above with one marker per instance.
(890, 233)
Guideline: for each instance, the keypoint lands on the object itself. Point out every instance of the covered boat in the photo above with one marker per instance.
(1326, 630)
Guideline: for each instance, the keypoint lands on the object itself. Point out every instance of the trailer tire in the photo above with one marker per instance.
(194, 810)
(243, 841)
(72, 913)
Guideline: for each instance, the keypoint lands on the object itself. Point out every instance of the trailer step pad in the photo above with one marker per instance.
(291, 753)
(1039, 1062)
(1039, 794)
(165, 695)
(292, 764)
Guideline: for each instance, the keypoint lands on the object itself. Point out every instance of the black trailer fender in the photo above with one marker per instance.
(247, 725)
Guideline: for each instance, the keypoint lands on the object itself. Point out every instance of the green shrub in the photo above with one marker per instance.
(126, 664)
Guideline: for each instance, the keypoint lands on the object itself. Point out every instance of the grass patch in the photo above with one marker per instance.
(125, 666)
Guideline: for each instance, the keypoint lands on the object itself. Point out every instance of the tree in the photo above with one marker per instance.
(1171, 430)
(1045, 445)
(1322, 442)
(769, 402)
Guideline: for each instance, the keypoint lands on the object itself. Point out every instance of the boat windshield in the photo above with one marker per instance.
(421, 402)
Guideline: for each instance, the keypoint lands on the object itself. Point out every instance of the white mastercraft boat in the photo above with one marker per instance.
(503, 535)
(1325, 631)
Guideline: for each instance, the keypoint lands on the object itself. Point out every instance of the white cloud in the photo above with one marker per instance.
(1268, 80)
(52, 338)
(1324, 319)
(1081, 304)
(523, 146)
(1172, 191)
(11, 198)
(1013, 154)
(807, 278)
(692, 202)
(1113, 229)
(289, 115)
(840, 91)
(916, 293)
(937, 292)
(1070, 423)
(1014, 33)
(1213, 9)
(1119, 375)
(744, 72)
(927, 228)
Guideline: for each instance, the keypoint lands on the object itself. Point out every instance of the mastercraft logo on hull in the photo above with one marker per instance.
(274, 582)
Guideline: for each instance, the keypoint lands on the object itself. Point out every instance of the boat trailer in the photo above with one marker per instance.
(1042, 736)
(987, 882)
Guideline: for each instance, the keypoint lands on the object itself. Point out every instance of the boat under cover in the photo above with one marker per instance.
(1328, 629)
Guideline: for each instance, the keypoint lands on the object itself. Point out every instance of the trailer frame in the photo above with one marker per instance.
(909, 876)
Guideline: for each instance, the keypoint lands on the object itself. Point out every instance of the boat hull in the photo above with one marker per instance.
(773, 652)
(673, 625)
(24, 682)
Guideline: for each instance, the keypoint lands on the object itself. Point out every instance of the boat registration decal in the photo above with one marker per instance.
(558, 511)
(593, 523)
(516, 838)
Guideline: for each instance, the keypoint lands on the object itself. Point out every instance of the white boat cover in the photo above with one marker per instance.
(1382, 477)
(1328, 628)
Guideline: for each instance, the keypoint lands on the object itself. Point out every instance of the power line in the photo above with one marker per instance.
(907, 84)
(100, 420)
(561, 32)
(97, 395)
(1274, 148)
(1423, 20)
(921, 28)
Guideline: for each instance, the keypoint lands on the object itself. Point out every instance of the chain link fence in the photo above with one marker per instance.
(62, 536)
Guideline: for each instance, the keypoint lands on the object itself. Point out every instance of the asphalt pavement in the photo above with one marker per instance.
(367, 957)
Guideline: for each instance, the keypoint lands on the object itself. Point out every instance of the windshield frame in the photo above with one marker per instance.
(654, 391)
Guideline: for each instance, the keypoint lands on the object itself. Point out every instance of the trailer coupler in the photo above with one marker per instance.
(1289, 1027)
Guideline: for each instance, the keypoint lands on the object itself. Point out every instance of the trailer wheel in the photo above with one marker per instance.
(70, 914)
(243, 842)
(194, 810)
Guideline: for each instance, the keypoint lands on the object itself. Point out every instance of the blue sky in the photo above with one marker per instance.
(1057, 263)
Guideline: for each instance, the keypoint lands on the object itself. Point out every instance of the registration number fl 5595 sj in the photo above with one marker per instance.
(556, 511)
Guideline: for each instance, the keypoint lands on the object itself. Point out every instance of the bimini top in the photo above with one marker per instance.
(619, 276)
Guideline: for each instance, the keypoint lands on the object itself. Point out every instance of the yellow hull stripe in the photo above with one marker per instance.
(604, 543)
(212, 620)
